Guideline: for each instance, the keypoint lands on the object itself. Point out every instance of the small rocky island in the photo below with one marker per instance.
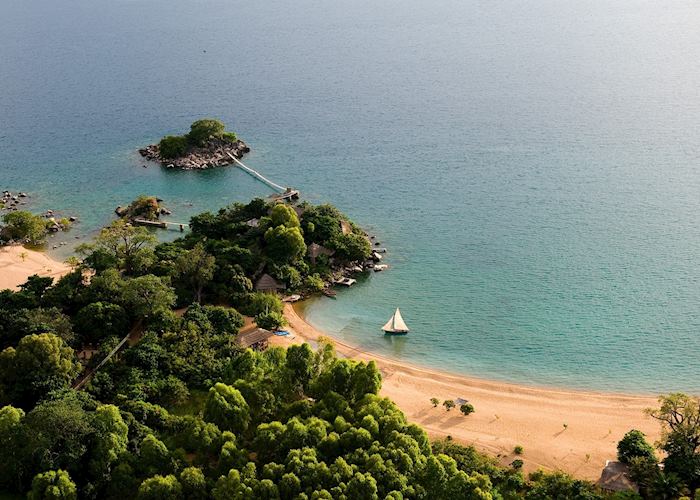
(207, 145)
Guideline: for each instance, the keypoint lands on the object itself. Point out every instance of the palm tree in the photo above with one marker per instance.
(667, 486)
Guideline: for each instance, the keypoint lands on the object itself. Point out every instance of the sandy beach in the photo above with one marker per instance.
(18, 263)
(507, 414)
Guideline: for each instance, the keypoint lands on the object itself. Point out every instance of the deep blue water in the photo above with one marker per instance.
(532, 166)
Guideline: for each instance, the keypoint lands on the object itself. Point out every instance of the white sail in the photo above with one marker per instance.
(395, 323)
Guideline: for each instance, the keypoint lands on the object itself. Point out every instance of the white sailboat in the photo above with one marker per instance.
(395, 325)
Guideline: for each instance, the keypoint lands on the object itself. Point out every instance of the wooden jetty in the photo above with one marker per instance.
(286, 193)
(160, 223)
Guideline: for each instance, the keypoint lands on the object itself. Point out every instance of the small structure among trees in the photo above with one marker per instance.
(314, 250)
(267, 283)
(615, 478)
(255, 339)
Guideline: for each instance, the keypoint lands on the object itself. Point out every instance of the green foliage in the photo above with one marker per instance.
(270, 320)
(467, 409)
(143, 207)
(314, 283)
(41, 363)
(195, 268)
(259, 303)
(448, 404)
(229, 137)
(194, 484)
(633, 445)
(227, 408)
(23, 226)
(185, 413)
(284, 244)
(53, 485)
(203, 130)
(154, 456)
(283, 215)
(172, 146)
(122, 245)
(146, 296)
(679, 415)
(160, 488)
(518, 450)
(351, 247)
(224, 320)
(100, 320)
(558, 485)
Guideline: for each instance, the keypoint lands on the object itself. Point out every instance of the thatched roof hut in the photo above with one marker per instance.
(255, 339)
(345, 227)
(267, 283)
(314, 250)
(615, 477)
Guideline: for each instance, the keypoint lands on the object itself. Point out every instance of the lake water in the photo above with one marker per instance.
(531, 166)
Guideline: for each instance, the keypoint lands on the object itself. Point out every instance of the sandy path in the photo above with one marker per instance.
(507, 414)
(18, 263)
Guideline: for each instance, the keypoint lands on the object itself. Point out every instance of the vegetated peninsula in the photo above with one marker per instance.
(130, 378)
(208, 144)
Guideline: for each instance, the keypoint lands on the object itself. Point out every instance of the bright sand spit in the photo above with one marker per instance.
(18, 263)
(507, 414)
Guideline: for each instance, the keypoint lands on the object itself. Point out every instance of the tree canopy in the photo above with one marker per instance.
(181, 411)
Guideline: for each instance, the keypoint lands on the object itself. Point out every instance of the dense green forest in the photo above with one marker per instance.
(181, 412)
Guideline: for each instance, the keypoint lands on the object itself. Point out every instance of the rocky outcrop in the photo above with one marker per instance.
(11, 201)
(214, 154)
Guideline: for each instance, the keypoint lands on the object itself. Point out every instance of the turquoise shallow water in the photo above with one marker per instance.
(532, 166)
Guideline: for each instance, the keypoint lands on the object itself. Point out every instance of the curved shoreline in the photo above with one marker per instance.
(507, 414)
(18, 263)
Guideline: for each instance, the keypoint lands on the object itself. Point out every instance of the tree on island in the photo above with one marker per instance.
(201, 132)
(172, 146)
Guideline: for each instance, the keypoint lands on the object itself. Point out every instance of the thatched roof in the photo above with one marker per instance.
(615, 478)
(252, 337)
(267, 283)
(314, 250)
(345, 227)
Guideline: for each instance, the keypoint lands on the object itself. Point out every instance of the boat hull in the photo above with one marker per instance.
(395, 332)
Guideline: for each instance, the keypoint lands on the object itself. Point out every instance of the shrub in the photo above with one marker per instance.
(634, 445)
(172, 146)
(435, 402)
(23, 226)
(270, 320)
(257, 303)
(467, 408)
(229, 136)
(518, 450)
(314, 283)
(448, 404)
(517, 464)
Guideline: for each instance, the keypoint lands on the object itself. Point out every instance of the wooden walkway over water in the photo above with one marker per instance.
(286, 193)
(160, 223)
